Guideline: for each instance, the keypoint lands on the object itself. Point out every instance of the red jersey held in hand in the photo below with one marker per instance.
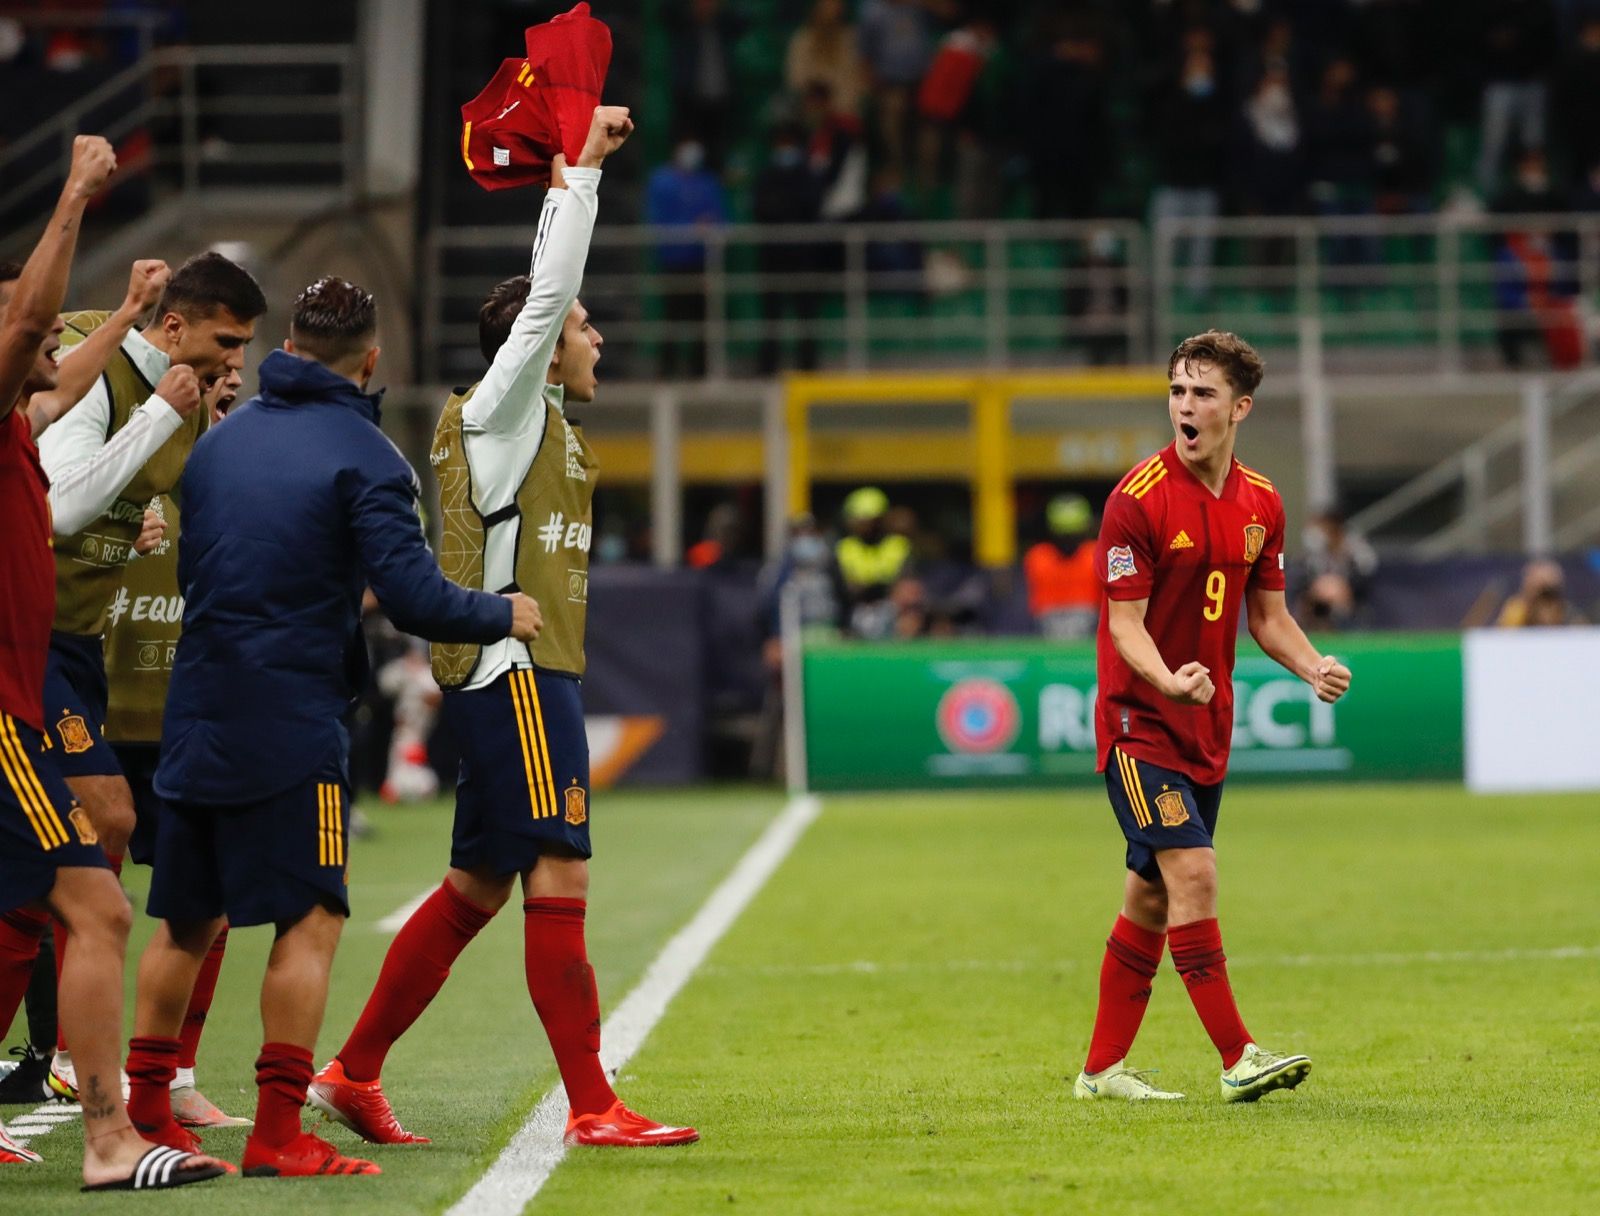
(1192, 554)
(27, 573)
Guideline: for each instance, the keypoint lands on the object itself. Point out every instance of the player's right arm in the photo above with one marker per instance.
(510, 398)
(1125, 561)
(80, 367)
(42, 286)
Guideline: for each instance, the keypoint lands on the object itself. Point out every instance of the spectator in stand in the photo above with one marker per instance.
(871, 558)
(1338, 566)
(702, 73)
(1339, 141)
(787, 191)
(886, 204)
(1187, 130)
(1534, 274)
(947, 113)
(1577, 107)
(723, 539)
(1519, 46)
(1542, 599)
(684, 194)
(897, 38)
(1269, 147)
(837, 152)
(1403, 159)
(1066, 90)
(825, 49)
(1063, 589)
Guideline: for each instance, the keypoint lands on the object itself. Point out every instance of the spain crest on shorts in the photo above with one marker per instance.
(1173, 812)
(74, 732)
(82, 826)
(577, 805)
(1255, 540)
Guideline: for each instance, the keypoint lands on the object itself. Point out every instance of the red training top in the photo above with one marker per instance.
(27, 573)
(1168, 539)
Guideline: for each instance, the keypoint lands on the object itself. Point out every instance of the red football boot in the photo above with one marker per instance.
(620, 1127)
(359, 1105)
(306, 1156)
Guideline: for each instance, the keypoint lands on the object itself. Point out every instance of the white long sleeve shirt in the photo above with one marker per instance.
(86, 470)
(503, 425)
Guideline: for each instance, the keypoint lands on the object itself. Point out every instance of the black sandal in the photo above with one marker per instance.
(161, 1169)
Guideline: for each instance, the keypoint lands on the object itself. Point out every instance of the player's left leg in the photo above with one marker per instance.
(1190, 875)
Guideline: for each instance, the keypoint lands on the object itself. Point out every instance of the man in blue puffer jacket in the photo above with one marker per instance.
(290, 510)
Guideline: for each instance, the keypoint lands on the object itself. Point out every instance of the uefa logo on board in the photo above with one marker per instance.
(978, 716)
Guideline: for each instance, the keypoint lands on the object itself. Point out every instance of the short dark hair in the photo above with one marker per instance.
(1241, 366)
(208, 283)
(499, 313)
(333, 321)
(10, 272)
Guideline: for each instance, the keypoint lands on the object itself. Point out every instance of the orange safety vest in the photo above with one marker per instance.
(1059, 580)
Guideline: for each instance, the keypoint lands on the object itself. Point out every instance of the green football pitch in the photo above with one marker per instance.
(893, 1024)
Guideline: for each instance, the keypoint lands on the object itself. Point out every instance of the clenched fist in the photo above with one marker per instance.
(608, 131)
(180, 388)
(150, 532)
(145, 285)
(93, 163)
(526, 620)
(1191, 685)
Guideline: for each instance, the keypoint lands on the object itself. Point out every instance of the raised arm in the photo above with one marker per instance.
(81, 365)
(1189, 685)
(510, 398)
(43, 285)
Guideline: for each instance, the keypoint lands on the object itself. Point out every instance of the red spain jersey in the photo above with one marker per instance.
(27, 573)
(1192, 554)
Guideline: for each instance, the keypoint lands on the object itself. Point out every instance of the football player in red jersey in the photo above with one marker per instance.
(1190, 536)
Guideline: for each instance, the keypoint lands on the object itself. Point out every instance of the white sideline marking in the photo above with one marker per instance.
(41, 1121)
(536, 1148)
(396, 920)
(863, 966)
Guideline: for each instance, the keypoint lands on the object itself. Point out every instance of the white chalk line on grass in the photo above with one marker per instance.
(536, 1149)
(41, 1121)
(396, 920)
(1018, 966)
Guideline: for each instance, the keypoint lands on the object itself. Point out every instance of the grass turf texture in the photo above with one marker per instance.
(894, 1024)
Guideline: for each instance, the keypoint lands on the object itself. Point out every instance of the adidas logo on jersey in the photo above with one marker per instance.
(1181, 541)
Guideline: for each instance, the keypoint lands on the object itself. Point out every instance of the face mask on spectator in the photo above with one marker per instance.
(809, 550)
(1200, 85)
(689, 156)
(787, 156)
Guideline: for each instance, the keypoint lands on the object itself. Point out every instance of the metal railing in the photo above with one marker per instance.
(740, 300)
(215, 117)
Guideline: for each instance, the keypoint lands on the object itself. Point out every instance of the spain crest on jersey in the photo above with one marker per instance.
(82, 825)
(1255, 540)
(1119, 563)
(1173, 812)
(577, 805)
(74, 732)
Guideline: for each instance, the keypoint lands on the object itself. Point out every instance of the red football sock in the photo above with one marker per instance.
(60, 934)
(561, 983)
(414, 970)
(1133, 956)
(152, 1063)
(1197, 954)
(20, 932)
(283, 1071)
(205, 987)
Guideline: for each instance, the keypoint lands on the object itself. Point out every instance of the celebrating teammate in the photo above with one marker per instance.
(291, 509)
(50, 858)
(1189, 535)
(516, 487)
(124, 444)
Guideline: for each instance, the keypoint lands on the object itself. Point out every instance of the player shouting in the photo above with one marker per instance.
(1189, 536)
(516, 483)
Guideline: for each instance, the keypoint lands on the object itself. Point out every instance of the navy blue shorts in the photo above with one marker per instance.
(1159, 808)
(75, 707)
(524, 785)
(261, 863)
(138, 762)
(42, 827)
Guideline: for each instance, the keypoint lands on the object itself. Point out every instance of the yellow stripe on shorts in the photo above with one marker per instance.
(544, 743)
(1130, 782)
(25, 784)
(518, 681)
